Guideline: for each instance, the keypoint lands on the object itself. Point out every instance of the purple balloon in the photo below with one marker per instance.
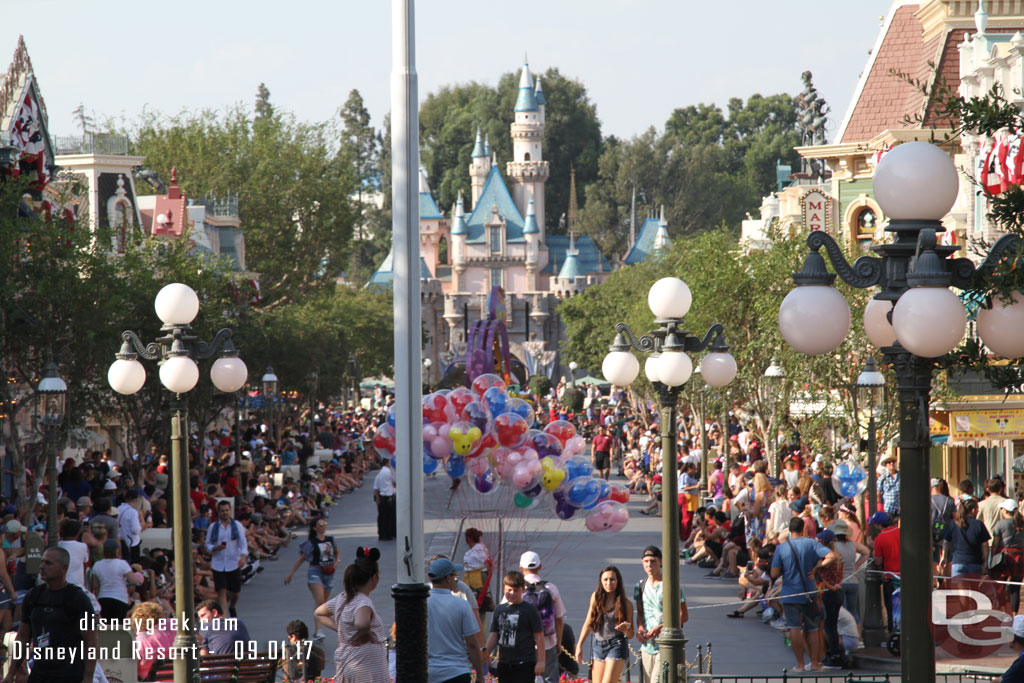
(564, 510)
(484, 482)
(545, 444)
(478, 414)
(534, 491)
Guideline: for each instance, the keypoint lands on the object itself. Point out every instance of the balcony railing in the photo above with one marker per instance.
(91, 143)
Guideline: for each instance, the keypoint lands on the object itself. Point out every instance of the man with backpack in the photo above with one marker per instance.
(943, 508)
(229, 552)
(545, 597)
(648, 595)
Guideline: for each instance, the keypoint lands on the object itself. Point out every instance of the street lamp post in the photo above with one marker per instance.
(774, 374)
(668, 368)
(914, 318)
(314, 385)
(870, 397)
(353, 371)
(52, 395)
(572, 374)
(270, 396)
(176, 353)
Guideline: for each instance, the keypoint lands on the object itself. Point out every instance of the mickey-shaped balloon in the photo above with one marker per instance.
(510, 429)
(455, 466)
(463, 436)
(521, 408)
(484, 382)
(496, 399)
(849, 479)
(553, 473)
(608, 516)
(436, 408)
(563, 430)
(384, 439)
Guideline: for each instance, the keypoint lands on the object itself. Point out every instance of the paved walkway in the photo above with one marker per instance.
(572, 557)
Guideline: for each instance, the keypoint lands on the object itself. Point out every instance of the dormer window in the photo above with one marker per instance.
(496, 240)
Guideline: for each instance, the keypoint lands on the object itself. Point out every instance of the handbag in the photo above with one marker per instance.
(327, 569)
(995, 560)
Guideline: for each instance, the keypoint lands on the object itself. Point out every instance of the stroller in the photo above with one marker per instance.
(894, 638)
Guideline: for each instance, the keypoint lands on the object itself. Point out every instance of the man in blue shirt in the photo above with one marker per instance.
(798, 561)
(452, 630)
(889, 486)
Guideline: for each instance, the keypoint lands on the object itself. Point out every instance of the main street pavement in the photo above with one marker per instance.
(572, 559)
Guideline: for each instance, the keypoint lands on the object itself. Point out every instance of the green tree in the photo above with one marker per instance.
(706, 169)
(294, 188)
(264, 109)
(741, 290)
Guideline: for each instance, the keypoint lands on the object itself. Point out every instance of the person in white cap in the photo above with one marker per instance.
(1008, 543)
(545, 597)
(1015, 674)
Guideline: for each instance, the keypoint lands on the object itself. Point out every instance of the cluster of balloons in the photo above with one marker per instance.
(487, 437)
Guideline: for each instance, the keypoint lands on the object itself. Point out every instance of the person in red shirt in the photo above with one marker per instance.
(887, 554)
(602, 449)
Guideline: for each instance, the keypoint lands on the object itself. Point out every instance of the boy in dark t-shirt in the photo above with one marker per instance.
(517, 633)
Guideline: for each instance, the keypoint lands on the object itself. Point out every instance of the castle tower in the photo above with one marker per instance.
(528, 169)
(479, 166)
(459, 232)
(532, 235)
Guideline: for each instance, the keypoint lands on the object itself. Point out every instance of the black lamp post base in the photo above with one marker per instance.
(410, 632)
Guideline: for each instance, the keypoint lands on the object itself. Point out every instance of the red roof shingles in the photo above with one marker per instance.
(885, 99)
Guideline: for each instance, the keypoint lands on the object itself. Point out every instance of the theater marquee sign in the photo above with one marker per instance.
(814, 210)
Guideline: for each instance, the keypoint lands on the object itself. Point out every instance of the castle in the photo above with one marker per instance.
(498, 239)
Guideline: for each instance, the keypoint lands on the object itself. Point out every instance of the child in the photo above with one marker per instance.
(518, 634)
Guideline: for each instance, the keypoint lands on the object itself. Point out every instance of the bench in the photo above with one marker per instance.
(225, 669)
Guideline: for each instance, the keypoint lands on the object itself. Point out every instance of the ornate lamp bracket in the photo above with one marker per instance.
(151, 351)
(865, 272)
(645, 344)
(715, 332)
(967, 276)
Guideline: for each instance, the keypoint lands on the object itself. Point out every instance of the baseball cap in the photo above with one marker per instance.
(1018, 626)
(936, 481)
(84, 500)
(10, 510)
(881, 518)
(14, 527)
(110, 486)
(529, 560)
(651, 551)
(442, 568)
(826, 536)
(1008, 505)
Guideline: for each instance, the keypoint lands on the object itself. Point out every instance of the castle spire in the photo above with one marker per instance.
(574, 212)
(527, 100)
(458, 221)
(478, 146)
(487, 145)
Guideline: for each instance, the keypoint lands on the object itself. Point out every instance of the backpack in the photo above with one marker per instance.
(938, 526)
(538, 595)
(638, 598)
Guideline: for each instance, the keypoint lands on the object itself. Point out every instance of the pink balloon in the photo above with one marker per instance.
(478, 465)
(608, 516)
(440, 447)
(573, 446)
(522, 475)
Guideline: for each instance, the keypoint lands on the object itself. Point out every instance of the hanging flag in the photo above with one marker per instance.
(1015, 158)
(1002, 171)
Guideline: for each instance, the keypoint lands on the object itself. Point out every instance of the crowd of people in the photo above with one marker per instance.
(250, 496)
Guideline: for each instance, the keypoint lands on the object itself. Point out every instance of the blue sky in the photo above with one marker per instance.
(639, 59)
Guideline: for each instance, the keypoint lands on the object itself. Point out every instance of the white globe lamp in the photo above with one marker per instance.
(916, 180)
(620, 368)
(877, 325)
(229, 374)
(1002, 327)
(179, 374)
(126, 376)
(669, 297)
(929, 321)
(176, 304)
(718, 368)
(674, 368)
(814, 319)
(651, 367)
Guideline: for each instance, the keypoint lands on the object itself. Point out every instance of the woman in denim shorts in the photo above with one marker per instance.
(610, 619)
(322, 554)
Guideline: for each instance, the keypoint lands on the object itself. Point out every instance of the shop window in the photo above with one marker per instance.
(864, 225)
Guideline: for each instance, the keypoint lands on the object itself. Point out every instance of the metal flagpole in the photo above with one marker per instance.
(410, 593)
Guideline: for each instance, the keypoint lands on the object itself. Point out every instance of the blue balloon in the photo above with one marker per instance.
(478, 414)
(578, 466)
(391, 416)
(606, 491)
(576, 491)
(455, 466)
(394, 462)
(429, 464)
(849, 479)
(496, 399)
